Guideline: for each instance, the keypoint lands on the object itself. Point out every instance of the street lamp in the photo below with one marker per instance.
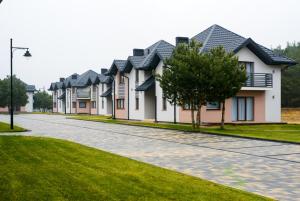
(27, 54)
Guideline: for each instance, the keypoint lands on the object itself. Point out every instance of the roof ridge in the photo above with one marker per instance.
(208, 36)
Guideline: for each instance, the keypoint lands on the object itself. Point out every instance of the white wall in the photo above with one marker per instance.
(60, 102)
(167, 115)
(68, 100)
(29, 105)
(133, 113)
(272, 96)
(107, 107)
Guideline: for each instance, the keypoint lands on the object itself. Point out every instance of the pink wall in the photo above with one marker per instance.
(86, 110)
(93, 110)
(214, 116)
(3, 109)
(121, 113)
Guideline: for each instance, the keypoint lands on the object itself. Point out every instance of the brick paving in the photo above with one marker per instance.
(267, 168)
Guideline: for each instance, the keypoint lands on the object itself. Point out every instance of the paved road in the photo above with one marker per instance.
(267, 168)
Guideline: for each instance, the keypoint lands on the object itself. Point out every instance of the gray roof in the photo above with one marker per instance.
(117, 65)
(160, 49)
(86, 79)
(150, 82)
(107, 93)
(216, 35)
(30, 88)
(69, 81)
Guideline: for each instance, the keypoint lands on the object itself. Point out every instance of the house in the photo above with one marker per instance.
(30, 89)
(128, 90)
(80, 94)
(138, 96)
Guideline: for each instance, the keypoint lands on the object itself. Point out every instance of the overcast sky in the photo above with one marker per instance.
(68, 36)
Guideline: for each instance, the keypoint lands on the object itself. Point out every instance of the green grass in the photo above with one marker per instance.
(4, 127)
(276, 132)
(34, 168)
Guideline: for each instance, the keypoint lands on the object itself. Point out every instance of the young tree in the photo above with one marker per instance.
(42, 100)
(229, 77)
(184, 79)
(19, 92)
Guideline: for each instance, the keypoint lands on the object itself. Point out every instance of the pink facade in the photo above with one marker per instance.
(121, 113)
(86, 110)
(3, 109)
(214, 116)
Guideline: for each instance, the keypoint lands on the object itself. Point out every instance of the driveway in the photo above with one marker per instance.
(266, 168)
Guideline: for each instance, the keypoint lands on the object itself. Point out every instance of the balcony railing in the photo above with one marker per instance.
(259, 80)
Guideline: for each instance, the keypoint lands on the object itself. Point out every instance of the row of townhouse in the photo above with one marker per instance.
(133, 93)
(88, 93)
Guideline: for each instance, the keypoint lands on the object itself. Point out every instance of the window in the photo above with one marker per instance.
(59, 104)
(136, 76)
(164, 103)
(93, 104)
(137, 104)
(74, 104)
(82, 104)
(73, 90)
(54, 105)
(249, 66)
(188, 106)
(243, 108)
(121, 79)
(102, 88)
(213, 105)
(120, 103)
(94, 89)
(102, 104)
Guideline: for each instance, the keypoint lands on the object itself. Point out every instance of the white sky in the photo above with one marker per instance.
(68, 36)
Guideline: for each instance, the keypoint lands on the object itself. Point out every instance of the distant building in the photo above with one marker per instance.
(30, 89)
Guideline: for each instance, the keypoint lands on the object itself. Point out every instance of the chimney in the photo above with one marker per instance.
(61, 79)
(103, 70)
(74, 76)
(138, 52)
(185, 40)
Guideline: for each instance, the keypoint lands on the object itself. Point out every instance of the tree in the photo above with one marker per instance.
(42, 100)
(19, 92)
(228, 79)
(290, 93)
(184, 78)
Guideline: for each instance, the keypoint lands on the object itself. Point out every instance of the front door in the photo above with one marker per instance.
(243, 108)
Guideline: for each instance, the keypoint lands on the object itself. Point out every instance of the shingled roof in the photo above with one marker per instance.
(159, 50)
(117, 65)
(216, 35)
(86, 79)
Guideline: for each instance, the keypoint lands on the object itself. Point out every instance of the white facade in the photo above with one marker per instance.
(272, 95)
(104, 103)
(29, 105)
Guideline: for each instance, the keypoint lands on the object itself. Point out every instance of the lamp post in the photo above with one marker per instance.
(27, 54)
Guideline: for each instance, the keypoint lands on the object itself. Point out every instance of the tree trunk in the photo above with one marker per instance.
(193, 117)
(199, 116)
(223, 112)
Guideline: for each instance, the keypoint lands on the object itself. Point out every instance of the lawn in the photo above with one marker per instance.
(276, 132)
(34, 168)
(4, 127)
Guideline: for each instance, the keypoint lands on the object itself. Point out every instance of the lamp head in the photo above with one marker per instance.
(27, 54)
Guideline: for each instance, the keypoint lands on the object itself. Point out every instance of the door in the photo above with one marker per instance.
(243, 109)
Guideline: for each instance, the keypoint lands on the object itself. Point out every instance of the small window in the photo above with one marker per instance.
(82, 104)
(102, 104)
(137, 104)
(213, 105)
(136, 76)
(120, 103)
(59, 104)
(93, 104)
(74, 104)
(121, 79)
(54, 105)
(73, 90)
(187, 106)
(102, 88)
(164, 103)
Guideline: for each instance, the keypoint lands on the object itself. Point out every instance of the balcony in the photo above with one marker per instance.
(259, 80)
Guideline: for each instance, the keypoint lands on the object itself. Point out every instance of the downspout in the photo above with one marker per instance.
(127, 97)
(71, 102)
(114, 100)
(65, 101)
(175, 111)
